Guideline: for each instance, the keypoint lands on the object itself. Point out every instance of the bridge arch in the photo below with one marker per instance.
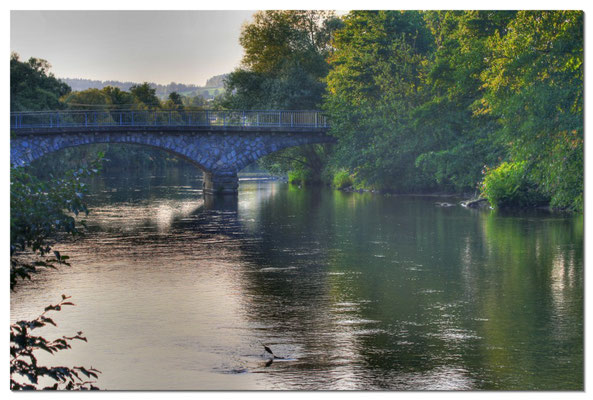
(33, 155)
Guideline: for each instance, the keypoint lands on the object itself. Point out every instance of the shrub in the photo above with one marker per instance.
(300, 176)
(508, 185)
(342, 179)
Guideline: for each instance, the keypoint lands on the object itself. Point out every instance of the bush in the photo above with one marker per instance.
(508, 185)
(300, 176)
(342, 179)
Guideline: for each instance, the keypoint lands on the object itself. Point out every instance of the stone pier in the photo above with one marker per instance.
(220, 183)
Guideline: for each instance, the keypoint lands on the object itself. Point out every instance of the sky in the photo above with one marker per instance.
(154, 46)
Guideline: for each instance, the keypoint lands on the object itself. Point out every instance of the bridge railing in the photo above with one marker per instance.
(171, 118)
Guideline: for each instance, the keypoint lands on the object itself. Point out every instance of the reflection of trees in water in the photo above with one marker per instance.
(288, 290)
(534, 307)
(454, 293)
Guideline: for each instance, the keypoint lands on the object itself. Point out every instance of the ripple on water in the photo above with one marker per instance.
(356, 321)
(455, 335)
(277, 269)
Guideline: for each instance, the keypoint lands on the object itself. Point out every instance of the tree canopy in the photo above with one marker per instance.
(33, 87)
(284, 67)
(534, 87)
(425, 100)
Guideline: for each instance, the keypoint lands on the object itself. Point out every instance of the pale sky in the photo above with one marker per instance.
(155, 46)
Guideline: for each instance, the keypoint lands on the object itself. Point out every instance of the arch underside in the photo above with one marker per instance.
(216, 154)
(166, 150)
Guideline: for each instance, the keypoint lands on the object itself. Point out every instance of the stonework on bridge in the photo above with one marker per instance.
(220, 152)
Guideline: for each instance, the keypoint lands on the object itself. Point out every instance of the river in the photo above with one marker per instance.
(352, 290)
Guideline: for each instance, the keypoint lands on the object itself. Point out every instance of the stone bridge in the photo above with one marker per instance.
(220, 143)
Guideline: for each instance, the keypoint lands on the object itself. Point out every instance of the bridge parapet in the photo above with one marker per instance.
(168, 118)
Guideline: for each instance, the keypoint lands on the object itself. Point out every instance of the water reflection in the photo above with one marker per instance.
(354, 291)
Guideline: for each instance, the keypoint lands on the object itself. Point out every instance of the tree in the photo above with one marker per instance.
(33, 87)
(93, 99)
(108, 98)
(534, 87)
(145, 95)
(373, 86)
(283, 50)
(283, 68)
(117, 98)
(175, 101)
(457, 142)
(195, 102)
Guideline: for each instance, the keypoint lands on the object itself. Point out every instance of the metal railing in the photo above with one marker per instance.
(168, 118)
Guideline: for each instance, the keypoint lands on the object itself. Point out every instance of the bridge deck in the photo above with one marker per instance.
(63, 121)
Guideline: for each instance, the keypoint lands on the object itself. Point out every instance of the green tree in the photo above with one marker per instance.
(90, 99)
(145, 96)
(373, 86)
(108, 98)
(117, 98)
(283, 68)
(534, 87)
(457, 142)
(508, 185)
(174, 102)
(33, 87)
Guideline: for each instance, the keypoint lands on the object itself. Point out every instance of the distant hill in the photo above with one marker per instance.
(214, 86)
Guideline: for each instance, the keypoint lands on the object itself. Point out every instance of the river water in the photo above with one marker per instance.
(354, 291)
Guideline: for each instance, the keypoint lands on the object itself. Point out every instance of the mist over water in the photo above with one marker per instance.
(354, 291)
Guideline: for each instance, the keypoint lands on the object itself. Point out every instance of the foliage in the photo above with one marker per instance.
(108, 98)
(38, 211)
(162, 91)
(373, 86)
(33, 87)
(23, 361)
(175, 102)
(341, 179)
(456, 142)
(534, 86)
(283, 68)
(81, 100)
(299, 176)
(145, 96)
(422, 100)
(509, 185)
